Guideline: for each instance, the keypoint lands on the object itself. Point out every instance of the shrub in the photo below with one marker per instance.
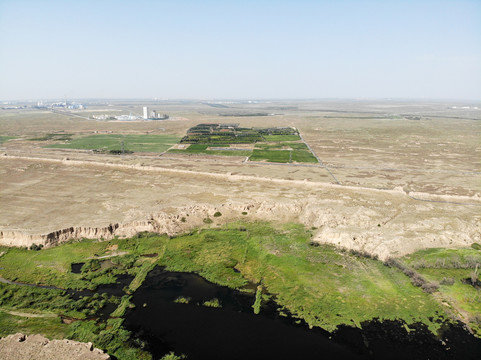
(36, 247)
(217, 214)
(447, 281)
(429, 287)
(476, 246)
(119, 152)
(208, 221)
(244, 213)
(476, 319)
(183, 219)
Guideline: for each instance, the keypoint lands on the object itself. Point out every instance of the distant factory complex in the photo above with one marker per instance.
(153, 115)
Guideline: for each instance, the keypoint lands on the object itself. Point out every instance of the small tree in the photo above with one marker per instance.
(36, 247)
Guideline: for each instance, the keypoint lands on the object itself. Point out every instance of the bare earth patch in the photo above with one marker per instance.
(37, 347)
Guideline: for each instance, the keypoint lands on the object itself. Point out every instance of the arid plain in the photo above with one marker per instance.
(395, 177)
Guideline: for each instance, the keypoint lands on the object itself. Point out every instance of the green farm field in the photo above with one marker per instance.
(204, 149)
(135, 143)
(283, 156)
(272, 138)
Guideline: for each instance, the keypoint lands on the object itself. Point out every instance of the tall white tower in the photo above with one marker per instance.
(146, 113)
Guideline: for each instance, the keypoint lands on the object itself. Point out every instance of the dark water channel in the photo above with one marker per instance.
(116, 289)
(234, 332)
(77, 268)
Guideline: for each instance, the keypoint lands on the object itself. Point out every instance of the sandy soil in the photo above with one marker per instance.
(37, 347)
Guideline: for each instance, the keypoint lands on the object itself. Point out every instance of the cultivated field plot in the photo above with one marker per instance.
(113, 143)
(278, 145)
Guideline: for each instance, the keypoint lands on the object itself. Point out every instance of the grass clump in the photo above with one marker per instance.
(172, 356)
(141, 275)
(258, 301)
(217, 214)
(207, 220)
(109, 336)
(182, 300)
(213, 303)
(123, 306)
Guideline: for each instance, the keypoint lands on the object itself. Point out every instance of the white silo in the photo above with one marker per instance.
(146, 112)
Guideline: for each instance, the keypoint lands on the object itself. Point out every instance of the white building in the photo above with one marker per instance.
(146, 113)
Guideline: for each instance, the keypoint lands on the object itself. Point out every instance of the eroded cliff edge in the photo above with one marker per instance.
(375, 228)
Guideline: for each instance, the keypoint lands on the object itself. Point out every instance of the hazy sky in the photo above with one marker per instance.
(240, 49)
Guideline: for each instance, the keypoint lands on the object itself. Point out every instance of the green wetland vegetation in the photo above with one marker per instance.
(457, 273)
(320, 284)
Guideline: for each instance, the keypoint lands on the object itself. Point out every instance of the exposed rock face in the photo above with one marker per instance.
(372, 227)
(37, 347)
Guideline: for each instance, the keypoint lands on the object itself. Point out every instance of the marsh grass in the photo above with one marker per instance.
(452, 270)
(258, 300)
(51, 327)
(182, 300)
(213, 303)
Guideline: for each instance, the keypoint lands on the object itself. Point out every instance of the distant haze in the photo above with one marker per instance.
(240, 49)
